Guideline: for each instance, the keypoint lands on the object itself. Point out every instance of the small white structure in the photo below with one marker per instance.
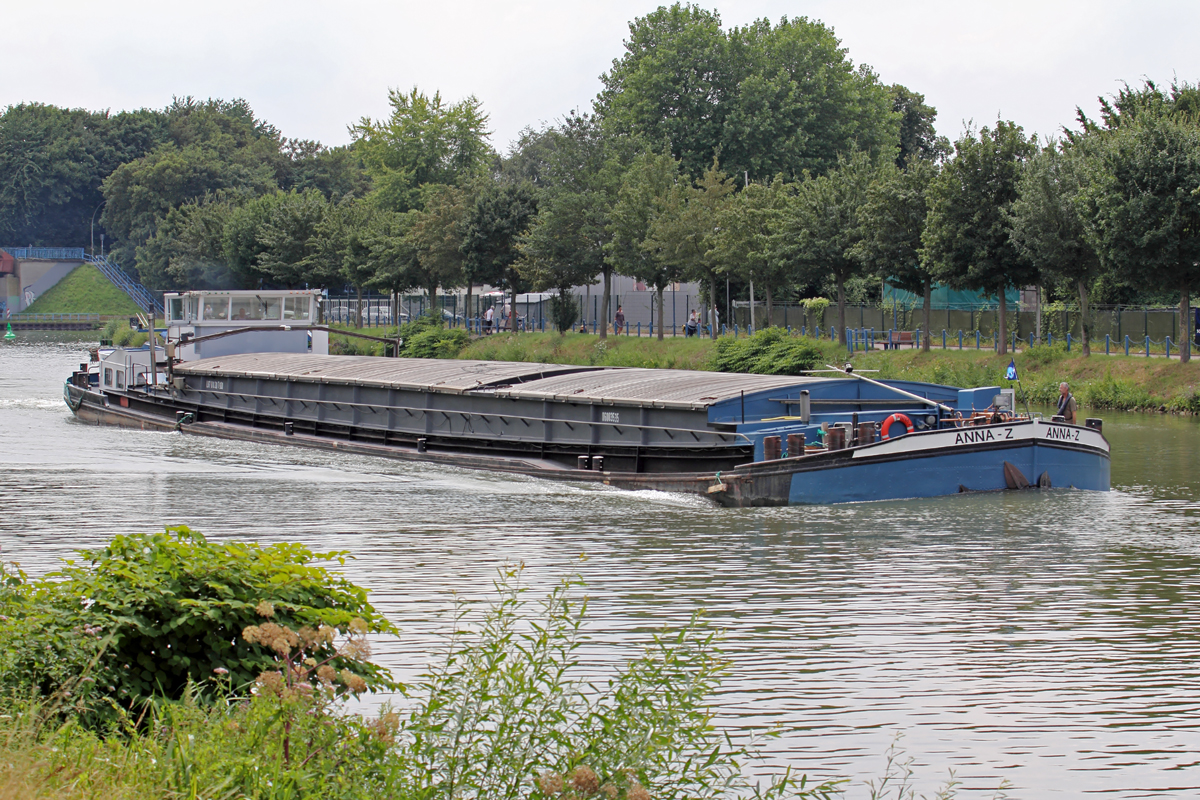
(191, 315)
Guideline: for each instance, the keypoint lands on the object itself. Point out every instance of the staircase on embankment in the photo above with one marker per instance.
(140, 295)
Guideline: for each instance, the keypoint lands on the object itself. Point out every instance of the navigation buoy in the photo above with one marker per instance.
(10, 335)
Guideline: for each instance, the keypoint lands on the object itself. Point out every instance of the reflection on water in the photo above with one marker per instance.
(1043, 638)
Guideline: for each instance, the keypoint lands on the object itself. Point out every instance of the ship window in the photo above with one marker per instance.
(270, 307)
(246, 308)
(193, 308)
(176, 309)
(120, 379)
(295, 308)
(216, 308)
(108, 376)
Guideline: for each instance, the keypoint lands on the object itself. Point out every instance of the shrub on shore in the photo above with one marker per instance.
(504, 713)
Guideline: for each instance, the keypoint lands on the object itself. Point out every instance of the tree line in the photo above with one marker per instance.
(759, 157)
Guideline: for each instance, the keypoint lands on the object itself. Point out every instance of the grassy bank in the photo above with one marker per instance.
(581, 348)
(84, 291)
(1102, 382)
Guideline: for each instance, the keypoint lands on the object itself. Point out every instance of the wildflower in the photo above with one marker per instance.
(221, 671)
(354, 683)
(271, 682)
(310, 662)
(308, 636)
(357, 649)
(327, 673)
(638, 792)
(358, 625)
(265, 609)
(551, 783)
(585, 780)
(610, 791)
(279, 638)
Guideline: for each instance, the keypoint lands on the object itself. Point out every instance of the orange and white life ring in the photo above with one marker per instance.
(887, 423)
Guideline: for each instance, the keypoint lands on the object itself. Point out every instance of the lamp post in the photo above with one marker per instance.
(92, 227)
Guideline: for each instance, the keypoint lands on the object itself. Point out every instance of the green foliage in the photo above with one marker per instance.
(423, 141)
(509, 710)
(52, 162)
(84, 290)
(822, 228)
(435, 343)
(173, 606)
(770, 351)
(769, 99)
(564, 311)
(506, 704)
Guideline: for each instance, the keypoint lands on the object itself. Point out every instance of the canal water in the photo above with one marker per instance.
(1047, 640)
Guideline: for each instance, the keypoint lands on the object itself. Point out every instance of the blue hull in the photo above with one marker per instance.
(944, 473)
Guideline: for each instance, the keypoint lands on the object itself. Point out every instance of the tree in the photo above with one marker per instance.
(211, 147)
(893, 219)
(340, 246)
(1142, 205)
(968, 234)
(684, 232)
(766, 98)
(493, 227)
(437, 234)
(744, 243)
(918, 137)
(187, 250)
(1047, 228)
(52, 163)
(393, 256)
(823, 226)
(580, 180)
(643, 196)
(424, 141)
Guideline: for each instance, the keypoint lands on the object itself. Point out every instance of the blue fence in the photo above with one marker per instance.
(45, 253)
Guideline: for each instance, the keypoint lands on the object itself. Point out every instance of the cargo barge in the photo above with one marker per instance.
(740, 440)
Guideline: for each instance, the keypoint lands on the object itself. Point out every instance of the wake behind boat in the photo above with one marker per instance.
(741, 440)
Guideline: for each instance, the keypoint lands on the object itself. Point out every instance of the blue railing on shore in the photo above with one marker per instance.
(46, 253)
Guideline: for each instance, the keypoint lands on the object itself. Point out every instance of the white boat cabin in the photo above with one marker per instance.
(191, 315)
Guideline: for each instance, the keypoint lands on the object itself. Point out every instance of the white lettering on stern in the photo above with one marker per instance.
(211, 384)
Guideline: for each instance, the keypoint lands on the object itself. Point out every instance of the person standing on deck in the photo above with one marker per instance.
(1066, 403)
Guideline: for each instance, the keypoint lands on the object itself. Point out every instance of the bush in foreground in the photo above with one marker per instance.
(504, 713)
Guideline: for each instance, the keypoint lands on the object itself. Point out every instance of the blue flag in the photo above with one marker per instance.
(1010, 374)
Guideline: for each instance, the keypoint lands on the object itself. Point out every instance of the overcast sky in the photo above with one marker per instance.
(312, 69)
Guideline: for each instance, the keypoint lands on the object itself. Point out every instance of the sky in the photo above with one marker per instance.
(313, 69)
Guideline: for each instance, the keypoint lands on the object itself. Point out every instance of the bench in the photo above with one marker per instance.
(897, 338)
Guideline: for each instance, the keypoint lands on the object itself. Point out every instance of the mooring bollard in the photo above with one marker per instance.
(795, 445)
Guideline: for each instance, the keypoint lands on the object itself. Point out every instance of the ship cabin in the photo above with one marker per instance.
(267, 321)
